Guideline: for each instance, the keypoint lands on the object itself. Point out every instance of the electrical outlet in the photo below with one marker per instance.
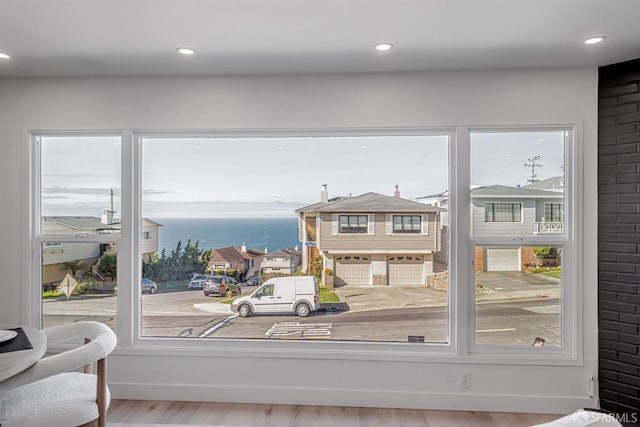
(465, 379)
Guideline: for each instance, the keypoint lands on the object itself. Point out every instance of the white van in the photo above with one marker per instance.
(281, 295)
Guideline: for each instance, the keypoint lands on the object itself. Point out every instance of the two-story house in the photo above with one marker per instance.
(245, 261)
(371, 239)
(498, 210)
(283, 261)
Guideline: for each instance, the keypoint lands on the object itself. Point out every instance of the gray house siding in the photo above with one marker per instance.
(482, 228)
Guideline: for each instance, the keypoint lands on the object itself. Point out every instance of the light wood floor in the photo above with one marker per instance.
(129, 413)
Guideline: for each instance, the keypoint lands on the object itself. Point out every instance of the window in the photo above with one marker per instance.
(187, 227)
(353, 224)
(553, 212)
(79, 227)
(518, 257)
(503, 212)
(407, 224)
(209, 206)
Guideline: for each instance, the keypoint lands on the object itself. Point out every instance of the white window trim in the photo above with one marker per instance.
(505, 222)
(424, 225)
(335, 224)
(460, 348)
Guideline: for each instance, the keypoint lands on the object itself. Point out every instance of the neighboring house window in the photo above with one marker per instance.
(503, 212)
(353, 224)
(407, 224)
(146, 235)
(553, 212)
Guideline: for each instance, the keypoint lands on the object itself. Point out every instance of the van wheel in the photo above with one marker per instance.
(206, 294)
(303, 310)
(229, 293)
(244, 310)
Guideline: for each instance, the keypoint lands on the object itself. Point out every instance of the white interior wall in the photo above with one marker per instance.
(325, 375)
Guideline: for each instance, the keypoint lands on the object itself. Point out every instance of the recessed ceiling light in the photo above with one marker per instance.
(595, 40)
(186, 50)
(4, 56)
(383, 47)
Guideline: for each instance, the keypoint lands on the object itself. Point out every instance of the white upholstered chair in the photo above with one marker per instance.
(54, 391)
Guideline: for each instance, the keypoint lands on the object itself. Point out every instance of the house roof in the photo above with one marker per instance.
(81, 222)
(89, 223)
(233, 254)
(152, 222)
(555, 183)
(506, 191)
(370, 202)
(284, 253)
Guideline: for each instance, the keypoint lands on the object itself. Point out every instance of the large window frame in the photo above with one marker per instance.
(461, 347)
(567, 241)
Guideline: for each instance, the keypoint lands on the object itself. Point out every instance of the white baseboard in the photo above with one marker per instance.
(357, 398)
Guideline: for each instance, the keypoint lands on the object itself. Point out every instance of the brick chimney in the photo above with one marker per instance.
(397, 192)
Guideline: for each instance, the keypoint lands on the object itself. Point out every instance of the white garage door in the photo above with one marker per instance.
(353, 270)
(406, 270)
(499, 259)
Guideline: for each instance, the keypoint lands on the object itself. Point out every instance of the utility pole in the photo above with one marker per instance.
(110, 212)
(532, 164)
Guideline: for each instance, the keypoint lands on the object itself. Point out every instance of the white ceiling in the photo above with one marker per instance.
(139, 37)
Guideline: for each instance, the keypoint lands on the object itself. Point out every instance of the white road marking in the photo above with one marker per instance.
(224, 322)
(297, 329)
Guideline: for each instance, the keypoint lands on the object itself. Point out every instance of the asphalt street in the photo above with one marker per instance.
(509, 311)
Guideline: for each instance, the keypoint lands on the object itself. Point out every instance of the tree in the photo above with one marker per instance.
(108, 265)
(181, 263)
(316, 266)
(74, 266)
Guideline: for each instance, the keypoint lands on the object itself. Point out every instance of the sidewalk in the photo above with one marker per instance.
(214, 307)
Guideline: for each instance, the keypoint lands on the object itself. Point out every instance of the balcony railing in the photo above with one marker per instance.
(548, 227)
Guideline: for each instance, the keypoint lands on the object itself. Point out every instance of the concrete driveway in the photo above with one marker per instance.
(499, 286)
(514, 280)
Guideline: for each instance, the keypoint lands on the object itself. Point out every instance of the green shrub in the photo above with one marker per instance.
(543, 251)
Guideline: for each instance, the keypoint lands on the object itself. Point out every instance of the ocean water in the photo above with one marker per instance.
(212, 233)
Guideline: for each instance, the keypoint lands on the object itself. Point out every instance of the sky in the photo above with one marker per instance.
(271, 177)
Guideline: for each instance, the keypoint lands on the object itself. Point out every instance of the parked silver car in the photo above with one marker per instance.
(197, 282)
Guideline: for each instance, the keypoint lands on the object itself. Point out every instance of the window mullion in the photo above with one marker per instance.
(460, 281)
(127, 317)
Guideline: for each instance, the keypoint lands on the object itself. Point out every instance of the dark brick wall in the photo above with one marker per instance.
(619, 237)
